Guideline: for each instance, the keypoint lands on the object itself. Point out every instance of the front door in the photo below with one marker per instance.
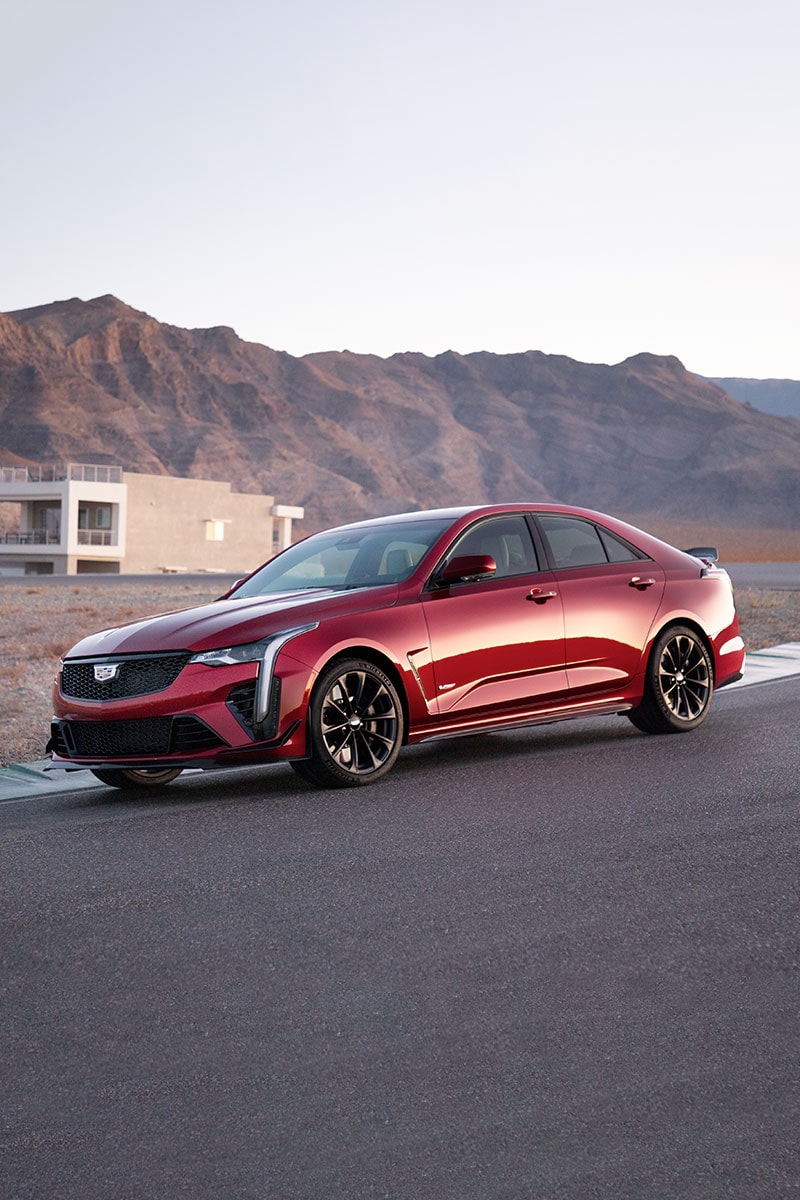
(499, 642)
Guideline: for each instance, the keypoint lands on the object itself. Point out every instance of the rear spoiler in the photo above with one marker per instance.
(709, 556)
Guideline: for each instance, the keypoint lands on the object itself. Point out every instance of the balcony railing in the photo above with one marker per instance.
(60, 472)
(37, 537)
(96, 537)
(34, 537)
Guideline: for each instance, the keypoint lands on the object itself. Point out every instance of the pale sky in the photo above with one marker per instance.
(582, 178)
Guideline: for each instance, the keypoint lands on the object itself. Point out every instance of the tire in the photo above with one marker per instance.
(145, 777)
(302, 767)
(355, 726)
(679, 684)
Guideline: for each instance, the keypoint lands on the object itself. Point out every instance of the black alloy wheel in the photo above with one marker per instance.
(355, 726)
(680, 683)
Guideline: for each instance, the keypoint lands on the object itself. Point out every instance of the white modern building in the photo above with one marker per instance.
(80, 518)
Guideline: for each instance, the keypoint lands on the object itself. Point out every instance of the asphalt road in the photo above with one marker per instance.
(784, 576)
(560, 963)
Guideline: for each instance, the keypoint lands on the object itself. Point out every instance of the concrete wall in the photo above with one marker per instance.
(194, 525)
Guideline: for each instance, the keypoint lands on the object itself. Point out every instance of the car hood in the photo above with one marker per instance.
(232, 621)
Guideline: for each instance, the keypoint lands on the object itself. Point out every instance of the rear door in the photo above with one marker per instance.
(497, 643)
(611, 593)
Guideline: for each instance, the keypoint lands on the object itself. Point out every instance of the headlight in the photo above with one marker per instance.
(249, 652)
(264, 652)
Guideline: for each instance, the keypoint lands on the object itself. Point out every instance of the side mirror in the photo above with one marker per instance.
(468, 568)
(227, 595)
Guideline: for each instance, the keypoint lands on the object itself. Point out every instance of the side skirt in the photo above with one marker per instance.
(493, 723)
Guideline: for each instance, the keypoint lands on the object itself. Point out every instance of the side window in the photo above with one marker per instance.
(616, 549)
(507, 539)
(573, 542)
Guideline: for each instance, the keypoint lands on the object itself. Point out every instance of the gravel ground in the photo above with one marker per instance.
(38, 623)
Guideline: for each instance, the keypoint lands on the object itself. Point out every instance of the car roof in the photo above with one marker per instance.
(464, 515)
(478, 510)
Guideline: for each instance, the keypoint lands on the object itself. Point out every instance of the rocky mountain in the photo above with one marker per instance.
(350, 435)
(779, 396)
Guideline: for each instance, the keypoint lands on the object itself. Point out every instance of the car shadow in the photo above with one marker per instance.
(538, 740)
(277, 784)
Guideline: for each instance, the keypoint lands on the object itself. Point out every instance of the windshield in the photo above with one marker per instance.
(362, 556)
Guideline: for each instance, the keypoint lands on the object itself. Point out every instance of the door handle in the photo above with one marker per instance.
(539, 597)
(641, 582)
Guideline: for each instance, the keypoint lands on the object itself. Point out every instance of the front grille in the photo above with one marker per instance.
(132, 739)
(134, 676)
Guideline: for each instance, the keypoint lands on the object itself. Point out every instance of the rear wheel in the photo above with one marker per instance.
(355, 726)
(679, 683)
(143, 777)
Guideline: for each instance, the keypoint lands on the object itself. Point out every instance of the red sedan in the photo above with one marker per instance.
(368, 637)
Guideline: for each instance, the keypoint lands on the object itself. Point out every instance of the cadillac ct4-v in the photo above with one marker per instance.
(360, 640)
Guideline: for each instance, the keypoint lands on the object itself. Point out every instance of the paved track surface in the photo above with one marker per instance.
(783, 576)
(561, 963)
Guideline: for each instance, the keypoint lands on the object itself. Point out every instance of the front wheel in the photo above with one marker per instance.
(679, 683)
(144, 777)
(355, 726)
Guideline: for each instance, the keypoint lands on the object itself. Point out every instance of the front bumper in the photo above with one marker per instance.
(209, 716)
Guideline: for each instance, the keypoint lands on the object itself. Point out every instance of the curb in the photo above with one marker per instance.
(763, 666)
(33, 779)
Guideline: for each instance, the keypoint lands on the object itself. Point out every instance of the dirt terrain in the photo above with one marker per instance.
(38, 622)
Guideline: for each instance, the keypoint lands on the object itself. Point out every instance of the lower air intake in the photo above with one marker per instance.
(132, 739)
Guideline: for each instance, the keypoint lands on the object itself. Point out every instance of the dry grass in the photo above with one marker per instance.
(767, 617)
(37, 624)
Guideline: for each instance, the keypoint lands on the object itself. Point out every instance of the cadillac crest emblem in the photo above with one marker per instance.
(105, 671)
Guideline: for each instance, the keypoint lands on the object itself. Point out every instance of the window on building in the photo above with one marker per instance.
(215, 531)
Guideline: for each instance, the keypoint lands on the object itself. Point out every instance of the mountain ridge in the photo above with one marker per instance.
(349, 435)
